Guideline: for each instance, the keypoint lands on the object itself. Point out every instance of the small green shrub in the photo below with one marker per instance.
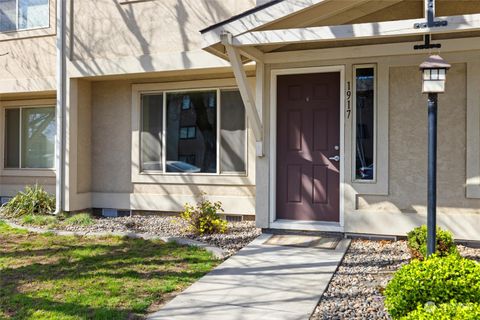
(446, 311)
(34, 200)
(40, 220)
(417, 242)
(79, 219)
(435, 279)
(203, 218)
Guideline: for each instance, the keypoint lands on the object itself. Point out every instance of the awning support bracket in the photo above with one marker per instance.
(245, 89)
(430, 23)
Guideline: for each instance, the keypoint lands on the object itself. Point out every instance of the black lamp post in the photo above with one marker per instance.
(434, 71)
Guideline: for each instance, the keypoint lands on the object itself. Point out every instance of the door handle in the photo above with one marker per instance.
(336, 158)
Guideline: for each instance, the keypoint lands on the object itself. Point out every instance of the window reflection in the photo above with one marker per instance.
(38, 135)
(23, 14)
(365, 122)
(233, 135)
(151, 134)
(192, 132)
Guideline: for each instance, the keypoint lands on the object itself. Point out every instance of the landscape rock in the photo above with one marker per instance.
(355, 291)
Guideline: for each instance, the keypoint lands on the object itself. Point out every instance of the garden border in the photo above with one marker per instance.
(217, 252)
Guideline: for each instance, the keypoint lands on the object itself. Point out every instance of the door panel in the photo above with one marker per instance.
(308, 133)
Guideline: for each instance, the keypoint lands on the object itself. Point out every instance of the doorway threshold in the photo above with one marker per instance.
(304, 225)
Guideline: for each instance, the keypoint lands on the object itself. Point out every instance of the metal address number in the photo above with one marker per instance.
(349, 100)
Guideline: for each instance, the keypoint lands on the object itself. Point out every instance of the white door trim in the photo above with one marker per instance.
(298, 224)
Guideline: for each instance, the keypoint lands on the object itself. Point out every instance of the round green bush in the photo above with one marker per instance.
(435, 279)
(417, 242)
(446, 311)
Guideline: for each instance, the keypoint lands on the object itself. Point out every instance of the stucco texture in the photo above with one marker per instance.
(111, 136)
(10, 185)
(106, 28)
(111, 161)
(84, 136)
(408, 146)
(27, 58)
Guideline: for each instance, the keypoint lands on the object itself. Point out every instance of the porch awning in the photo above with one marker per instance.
(270, 32)
(291, 25)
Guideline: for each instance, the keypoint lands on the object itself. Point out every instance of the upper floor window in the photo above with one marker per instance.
(23, 14)
(29, 137)
(364, 96)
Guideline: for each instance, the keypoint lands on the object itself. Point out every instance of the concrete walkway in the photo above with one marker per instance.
(259, 282)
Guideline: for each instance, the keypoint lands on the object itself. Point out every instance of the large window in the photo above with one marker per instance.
(364, 122)
(23, 14)
(193, 132)
(30, 137)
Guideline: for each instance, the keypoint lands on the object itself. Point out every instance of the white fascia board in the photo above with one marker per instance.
(460, 23)
(368, 51)
(257, 19)
(165, 61)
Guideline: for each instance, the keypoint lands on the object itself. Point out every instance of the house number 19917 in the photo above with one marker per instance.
(349, 100)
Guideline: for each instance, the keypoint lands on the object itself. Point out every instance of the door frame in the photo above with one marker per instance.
(302, 224)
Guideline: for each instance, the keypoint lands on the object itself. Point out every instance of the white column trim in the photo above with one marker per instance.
(380, 185)
(473, 129)
(245, 92)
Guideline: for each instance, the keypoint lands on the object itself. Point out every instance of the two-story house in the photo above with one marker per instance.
(308, 114)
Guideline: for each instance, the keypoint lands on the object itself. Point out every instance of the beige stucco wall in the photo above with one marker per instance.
(111, 161)
(27, 59)
(29, 65)
(108, 29)
(111, 136)
(84, 137)
(117, 37)
(408, 147)
(10, 185)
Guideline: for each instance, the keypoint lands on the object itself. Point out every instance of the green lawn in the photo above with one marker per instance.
(54, 277)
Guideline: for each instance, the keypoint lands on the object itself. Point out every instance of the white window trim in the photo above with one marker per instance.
(354, 126)
(380, 185)
(24, 172)
(152, 176)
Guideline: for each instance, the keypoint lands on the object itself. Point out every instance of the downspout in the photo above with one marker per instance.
(60, 108)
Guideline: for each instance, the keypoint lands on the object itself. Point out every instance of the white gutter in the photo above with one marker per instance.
(61, 89)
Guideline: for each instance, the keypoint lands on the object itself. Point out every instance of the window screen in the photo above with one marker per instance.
(12, 138)
(232, 132)
(151, 132)
(8, 15)
(30, 137)
(33, 14)
(38, 137)
(24, 14)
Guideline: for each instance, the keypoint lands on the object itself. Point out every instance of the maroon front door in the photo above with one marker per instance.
(308, 134)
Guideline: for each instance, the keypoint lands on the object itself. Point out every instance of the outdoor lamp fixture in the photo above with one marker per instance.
(434, 71)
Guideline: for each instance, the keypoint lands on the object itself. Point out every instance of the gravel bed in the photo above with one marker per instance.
(355, 291)
(239, 234)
